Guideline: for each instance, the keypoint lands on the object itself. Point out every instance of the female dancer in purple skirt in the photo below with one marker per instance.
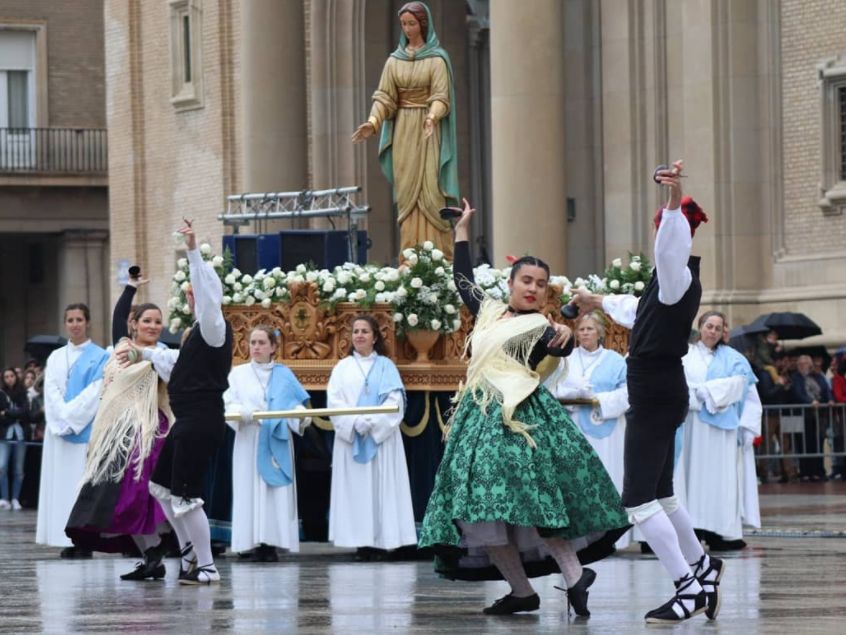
(114, 508)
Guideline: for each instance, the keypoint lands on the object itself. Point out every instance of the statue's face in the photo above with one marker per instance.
(410, 26)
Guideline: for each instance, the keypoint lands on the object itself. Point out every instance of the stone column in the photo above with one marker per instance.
(527, 131)
(82, 269)
(273, 89)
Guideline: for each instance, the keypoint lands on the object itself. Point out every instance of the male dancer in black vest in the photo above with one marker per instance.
(196, 386)
(658, 396)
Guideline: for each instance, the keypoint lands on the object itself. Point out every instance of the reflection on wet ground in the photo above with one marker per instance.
(782, 582)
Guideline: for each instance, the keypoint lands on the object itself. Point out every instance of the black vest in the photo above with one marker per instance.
(201, 373)
(661, 332)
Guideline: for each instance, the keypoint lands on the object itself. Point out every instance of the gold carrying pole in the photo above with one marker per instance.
(578, 402)
(315, 412)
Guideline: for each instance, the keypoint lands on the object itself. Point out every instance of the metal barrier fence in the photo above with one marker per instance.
(54, 150)
(802, 431)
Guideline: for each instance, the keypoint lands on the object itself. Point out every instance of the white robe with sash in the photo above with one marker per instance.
(371, 502)
(260, 513)
(722, 494)
(62, 462)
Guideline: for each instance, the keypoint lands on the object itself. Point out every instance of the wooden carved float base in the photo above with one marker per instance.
(313, 337)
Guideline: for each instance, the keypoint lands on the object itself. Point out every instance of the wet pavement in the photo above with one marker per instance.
(789, 580)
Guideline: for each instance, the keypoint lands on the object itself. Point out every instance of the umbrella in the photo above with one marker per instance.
(748, 329)
(789, 326)
(40, 346)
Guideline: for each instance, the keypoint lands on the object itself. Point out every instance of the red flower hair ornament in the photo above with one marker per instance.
(692, 212)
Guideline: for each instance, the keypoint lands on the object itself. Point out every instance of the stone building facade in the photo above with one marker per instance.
(54, 217)
(564, 107)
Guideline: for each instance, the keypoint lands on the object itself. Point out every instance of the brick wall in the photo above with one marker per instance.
(164, 164)
(811, 32)
(75, 82)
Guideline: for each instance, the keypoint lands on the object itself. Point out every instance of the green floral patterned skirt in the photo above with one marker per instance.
(489, 473)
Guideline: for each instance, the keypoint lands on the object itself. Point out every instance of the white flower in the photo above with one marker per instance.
(268, 283)
(238, 286)
(182, 263)
(451, 285)
(402, 292)
(379, 286)
(628, 288)
(229, 279)
(343, 278)
(416, 283)
(634, 265)
(638, 286)
(178, 239)
(437, 254)
(226, 300)
(339, 293)
(456, 324)
(440, 271)
(301, 268)
(247, 279)
(614, 284)
(281, 291)
(236, 272)
(412, 319)
(186, 309)
(217, 261)
(495, 293)
(329, 285)
(435, 324)
(259, 294)
(250, 300)
(311, 276)
(205, 249)
(617, 262)
(237, 299)
(364, 276)
(185, 286)
(351, 297)
(179, 276)
(175, 323)
(407, 253)
(635, 258)
(449, 309)
(428, 245)
(173, 303)
(393, 275)
(360, 294)
(265, 304)
(412, 259)
(379, 298)
(397, 317)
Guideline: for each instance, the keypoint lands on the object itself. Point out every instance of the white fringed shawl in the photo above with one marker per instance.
(499, 367)
(128, 418)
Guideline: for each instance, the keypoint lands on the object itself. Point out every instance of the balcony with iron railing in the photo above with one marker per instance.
(63, 154)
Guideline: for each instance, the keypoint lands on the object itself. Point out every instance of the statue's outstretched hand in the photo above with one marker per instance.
(428, 127)
(364, 131)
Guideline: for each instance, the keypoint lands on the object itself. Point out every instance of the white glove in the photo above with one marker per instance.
(745, 438)
(362, 426)
(701, 394)
(246, 418)
(584, 390)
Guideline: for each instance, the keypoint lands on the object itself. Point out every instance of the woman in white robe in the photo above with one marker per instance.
(264, 505)
(72, 381)
(371, 505)
(724, 419)
(595, 373)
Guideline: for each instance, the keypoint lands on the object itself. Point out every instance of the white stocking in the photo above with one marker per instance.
(197, 526)
(507, 560)
(565, 555)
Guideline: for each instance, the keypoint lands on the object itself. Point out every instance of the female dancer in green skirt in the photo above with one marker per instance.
(519, 491)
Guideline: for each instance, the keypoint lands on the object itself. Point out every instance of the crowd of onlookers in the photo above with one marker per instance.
(21, 422)
(809, 378)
